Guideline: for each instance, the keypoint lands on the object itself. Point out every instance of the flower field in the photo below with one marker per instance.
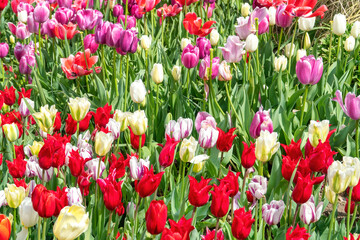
(179, 120)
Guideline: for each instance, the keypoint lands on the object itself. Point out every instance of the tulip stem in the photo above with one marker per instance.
(109, 223)
(292, 44)
(303, 104)
(40, 42)
(338, 47)
(348, 213)
(329, 57)
(187, 84)
(232, 105)
(103, 63)
(193, 215)
(140, 143)
(256, 220)
(14, 225)
(126, 81)
(126, 12)
(281, 34)
(162, 27)
(3, 71)
(221, 159)
(357, 138)
(257, 49)
(157, 100)
(38, 227)
(77, 130)
(217, 227)
(354, 216)
(135, 217)
(333, 217)
(44, 230)
(296, 213)
(145, 25)
(114, 74)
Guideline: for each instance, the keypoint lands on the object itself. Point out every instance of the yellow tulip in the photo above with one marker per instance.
(318, 131)
(14, 195)
(11, 132)
(79, 107)
(122, 118)
(266, 145)
(36, 147)
(46, 118)
(103, 143)
(138, 122)
(187, 149)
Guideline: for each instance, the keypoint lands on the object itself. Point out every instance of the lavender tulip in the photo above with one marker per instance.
(137, 167)
(352, 104)
(204, 46)
(20, 31)
(65, 3)
(130, 23)
(32, 25)
(4, 50)
(190, 56)
(208, 136)
(282, 19)
(243, 27)
(88, 19)
(118, 10)
(41, 12)
(202, 119)
(309, 70)
(89, 43)
(92, 167)
(100, 32)
(273, 212)
(233, 50)
(309, 213)
(261, 122)
(258, 186)
(205, 65)
(63, 15)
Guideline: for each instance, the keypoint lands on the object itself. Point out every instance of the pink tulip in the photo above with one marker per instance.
(26, 63)
(233, 50)
(352, 104)
(89, 43)
(65, 3)
(204, 118)
(205, 64)
(101, 31)
(20, 31)
(42, 12)
(25, 7)
(32, 25)
(243, 27)
(309, 213)
(128, 42)
(130, 22)
(261, 122)
(118, 10)
(309, 70)
(113, 35)
(190, 56)
(263, 19)
(88, 19)
(63, 15)
(204, 46)
(4, 50)
(282, 19)
(48, 28)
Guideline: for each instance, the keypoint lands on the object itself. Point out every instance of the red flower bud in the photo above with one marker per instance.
(231, 182)
(166, 156)
(220, 200)
(199, 191)
(242, 222)
(134, 139)
(156, 216)
(248, 155)
(225, 140)
(148, 183)
(303, 189)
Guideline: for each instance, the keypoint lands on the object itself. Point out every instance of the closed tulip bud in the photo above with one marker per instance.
(261, 122)
(224, 72)
(145, 42)
(122, 118)
(190, 56)
(71, 222)
(187, 149)
(309, 70)
(306, 24)
(273, 212)
(266, 145)
(157, 73)
(12, 39)
(11, 132)
(349, 44)
(272, 16)
(220, 200)
(74, 196)
(4, 50)
(184, 42)
(79, 107)
(156, 217)
(94, 168)
(23, 109)
(138, 122)
(339, 24)
(309, 213)
(28, 216)
(318, 131)
(103, 142)
(208, 137)
(22, 16)
(307, 41)
(46, 118)
(288, 49)
(353, 163)
(300, 54)
(214, 37)
(14, 195)
(355, 29)
(118, 10)
(5, 226)
(330, 195)
(280, 63)
(137, 91)
(258, 186)
(339, 176)
(186, 126)
(283, 19)
(176, 72)
(41, 12)
(245, 9)
(204, 46)
(199, 162)
(252, 43)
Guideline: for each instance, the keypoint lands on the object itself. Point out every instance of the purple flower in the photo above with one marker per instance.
(261, 122)
(113, 35)
(100, 32)
(41, 12)
(233, 50)
(309, 213)
(63, 15)
(20, 31)
(243, 27)
(273, 212)
(190, 56)
(48, 28)
(4, 50)
(130, 23)
(88, 19)
(92, 167)
(33, 26)
(282, 19)
(26, 63)
(309, 70)
(21, 50)
(258, 186)
(135, 11)
(89, 43)
(208, 136)
(25, 7)
(204, 46)
(205, 65)
(262, 15)
(65, 3)
(128, 42)
(352, 104)
(118, 10)
(202, 119)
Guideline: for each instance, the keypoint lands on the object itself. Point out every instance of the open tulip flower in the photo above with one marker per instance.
(193, 24)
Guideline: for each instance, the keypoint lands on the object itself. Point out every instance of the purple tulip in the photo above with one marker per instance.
(130, 23)
(100, 32)
(309, 70)
(41, 12)
(186, 125)
(190, 56)
(262, 15)
(261, 122)
(26, 63)
(23, 109)
(243, 27)
(89, 43)
(63, 15)
(128, 42)
(205, 65)
(4, 50)
(208, 136)
(282, 19)
(135, 11)
(233, 50)
(32, 25)
(20, 31)
(309, 213)
(25, 7)
(352, 104)
(258, 186)
(65, 3)
(273, 212)
(22, 50)
(204, 46)
(88, 19)
(48, 28)
(113, 35)
(118, 10)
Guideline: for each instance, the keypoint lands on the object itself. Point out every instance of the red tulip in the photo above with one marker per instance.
(248, 155)
(3, 4)
(134, 139)
(351, 237)
(118, 165)
(183, 227)
(220, 200)
(68, 29)
(187, 2)
(147, 5)
(241, 225)
(71, 124)
(170, 235)
(199, 191)
(5, 225)
(355, 196)
(249, 196)
(225, 140)
(210, 235)
(148, 183)
(102, 116)
(48, 203)
(76, 163)
(61, 200)
(303, 189)
(112, 192)
(231, 182)
(24, 94)
(57, 122)
(166, 156)
(52, 154)
(168, 11)
(17, 167)
(301, 8)
(155, 217)
(321, 157)
(298, 233)
(84, 183)
(9, 95)
(20, 183)
(192, 24)
(293, 150)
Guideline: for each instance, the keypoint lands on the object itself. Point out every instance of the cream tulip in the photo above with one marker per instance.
(187, 149)
(145, 42)
(79, 107)
(137, 91)
(339, 176)
(252, 43)
(103, 142)
(11, 132)
(272, 16)
(122, 118)
(280, 63)
(157, 73)
(306, 24)
(318, 131)
(355, 29)
(214, 37)
(339, 24)
(349, 44)
(176, 72)
(46, 118)
(288, 48)
(266, 145)
(245, 10)
(300, 53)
(14, 195)
(330, 195)
(353, 163)
(307, 41)
(184, 42)
(28, 216)
(138, 122)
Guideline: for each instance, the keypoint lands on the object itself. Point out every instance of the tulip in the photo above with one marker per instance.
(208, 137)
(79, 107)
(137, 91)
(288, 48)
(204, 119)
(103, 142)
(241, 225)
(48, 28)
(5, 227)
(89, 43)
(111, 190)
(233, 50)
(46, 118)
(231, 182)
(187, 149)
(352, 102)
(128, 42)
(252, 43)
(20, 31)
(148, 183)
(4, 49)
(224, 72)
(193, 25)
(71, 223)
(184, 42)
(118, 10)
(166, 156)
(243, 27)
(210, 235)
(179, 230)
(300, 54)
(114, 127)
(283, 19)
(330, 195)
(355, 29)
(22, 16)
(26, 63)
(145, 42)
(273, 212)
(339, 176)
(258, 186)
(199, 162)
(272, 15)
(205, 65)
(93, 168)
(28, 216)
(87, 19)
(309, 70)
(199, 191)
(298, 233)
(309, 213)
(190, 56)
(14, 195)
(225, 140)
(63, 15)
(318, 131)
(261, 122)
(353, 163)
(41, 12)
(74, 196)
(355, 196)
(157, 73)
(245, 10)
(155, 217)
(306, 24)
(137, 167)
(176, 72)
(11, 132)
(266, 145)
(214, 37)
(204, 46)
(23, 109)
(339, 24)
(33, 26)
(220, 201)
(138, 122)
(321, 157)
(65, 3)
(248, 156)
(349, 44)
(122, 118)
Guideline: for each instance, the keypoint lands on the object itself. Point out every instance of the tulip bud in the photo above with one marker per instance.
(14, 195)
(46, 118)
(288, 49)
(245, 10)
(137, 167)
(330, 195)
(353, 163)
(79, 107)
(23, 109)
(199, 162)
(252, 43)
(187, 149)
(300, 54)
(36, 147)
(339, 24)
(173, 130)
(28, 216)
(74, 196)
(280, 63)
(204, 46)
(122, 118)
(318, 131)
(176, 72)
(157, 73)
(137, 91)
(309, 70)
(22, 16)
(355, 29)
(273, 212)
(208, 137)
(306, 24)
(138, 122)
(12, 39)
(95, 168)
(258, 186)
(261, 122)
(185, 42)
(266, 145)
(214, 37)
(339, 176)
(4, 50)
(41, 12)
(145, 42)
(272, 16)
(307, 41)
(103, 142)
(349, 44)
(309, 213)
(224, 72)
(11, 132)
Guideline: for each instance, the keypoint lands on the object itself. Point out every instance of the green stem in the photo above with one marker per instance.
(257, 49)
(14, 225)
(256, 221)
(162, 27)
(104, 66)
(354, 216)
(135, 217)
(281, 34)
(140, 143)
(145, 25)
(44, 230)
(188, 85)
(221, 159)
(157, 100)
(114, 74)
(77, 130)
(126, 12)
(217, 227)
(330, 47)
(38, 227)
(40, 42)
(109, 223)
(338, 48)
(303, 104)
(333, 217)
(292, 44)
(296, 213)
(3, 71)
(348, 213)
(357, 138)
(126, 81)
(183, 189)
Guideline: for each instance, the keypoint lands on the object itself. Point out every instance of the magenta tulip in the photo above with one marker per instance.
(113, 35)
(204, 46)
(20, 31)
(352, 104)
(205, 64)
(32, 25)
(42, 12)
(190, 56)
(89, 43)
(88, 19)
(26, 63)
(48, 28)
(261, 122)
(63, 15)
(263, 19)
(118, 10)
(25, 7)
(100, 31)
(309, 70)
(282, 19)
(128, 42)
(65, 3)
(4, 50)
(130, 23)
(233, 50)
